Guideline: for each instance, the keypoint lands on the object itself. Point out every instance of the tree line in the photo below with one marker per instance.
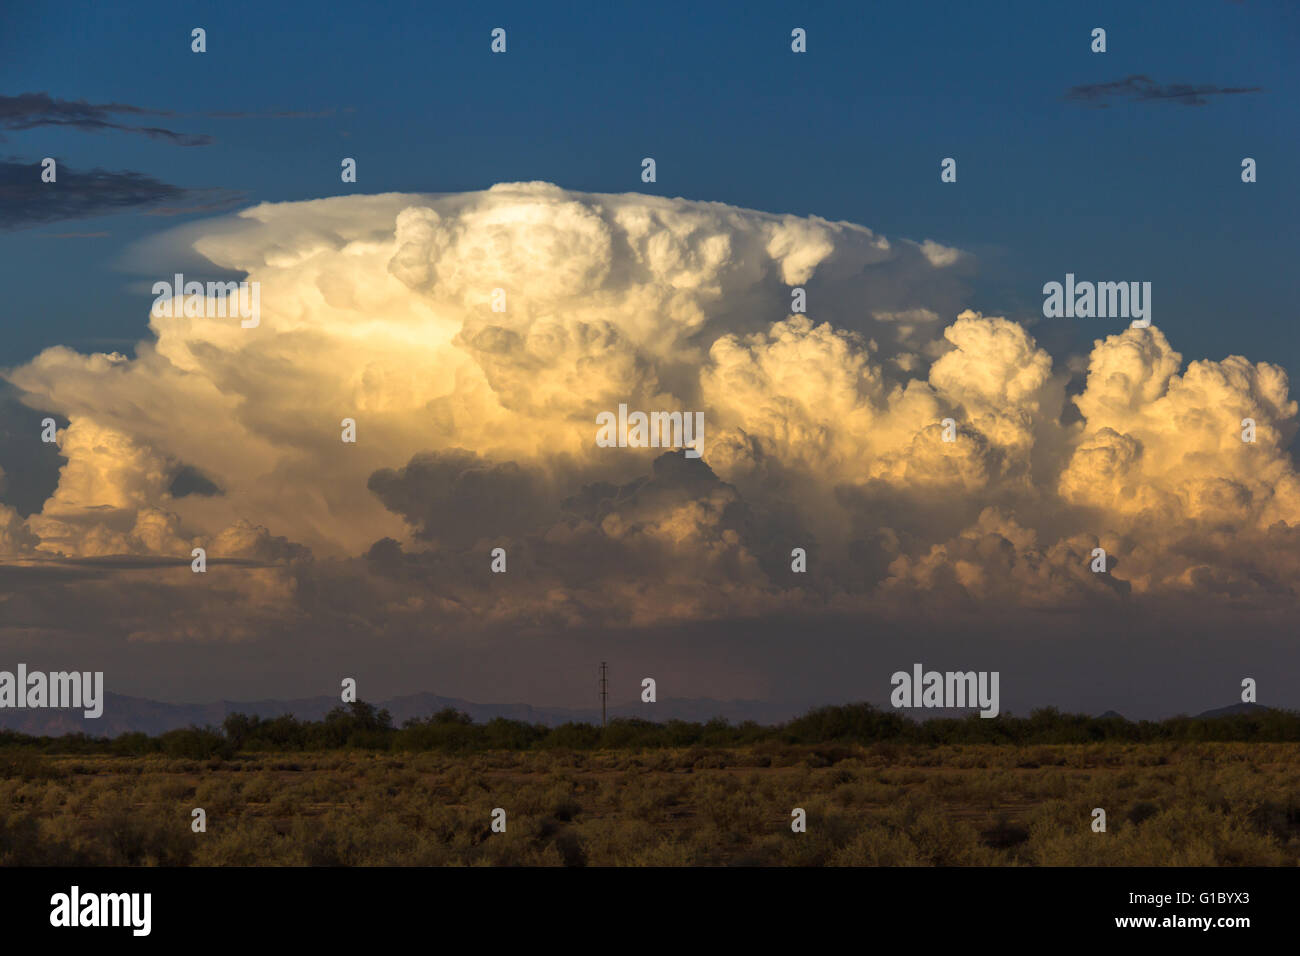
(360, 726)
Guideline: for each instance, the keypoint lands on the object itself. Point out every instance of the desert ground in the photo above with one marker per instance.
(883, 804)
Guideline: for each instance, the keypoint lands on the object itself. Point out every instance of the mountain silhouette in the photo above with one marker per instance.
(1232, 709)
(124, 714)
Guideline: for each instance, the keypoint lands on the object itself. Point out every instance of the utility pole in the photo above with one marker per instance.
(604, 691)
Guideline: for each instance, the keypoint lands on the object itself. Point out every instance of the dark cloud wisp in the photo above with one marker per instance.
(32, 110)
(1141, 88)
(25, 200)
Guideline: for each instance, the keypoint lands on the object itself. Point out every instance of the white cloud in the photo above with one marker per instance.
(822, 428)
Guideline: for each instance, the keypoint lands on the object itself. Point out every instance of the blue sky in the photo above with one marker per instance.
(1122, 166)
(854, 130)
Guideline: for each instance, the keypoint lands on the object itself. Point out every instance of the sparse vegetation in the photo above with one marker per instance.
(359, 726)
(891, 804)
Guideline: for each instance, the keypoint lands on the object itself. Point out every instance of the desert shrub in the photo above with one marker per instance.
(197, 743)
(1142, 810)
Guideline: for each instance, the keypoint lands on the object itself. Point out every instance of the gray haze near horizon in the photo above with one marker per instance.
(1141, 667)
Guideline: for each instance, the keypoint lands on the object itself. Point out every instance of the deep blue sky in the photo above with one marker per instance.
(854, 129)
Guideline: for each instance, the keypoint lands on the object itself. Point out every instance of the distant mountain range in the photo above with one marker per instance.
(1228, 711)
(1234, 709)
(135, 714)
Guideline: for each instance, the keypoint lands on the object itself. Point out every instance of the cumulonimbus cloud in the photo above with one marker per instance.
(476, 428)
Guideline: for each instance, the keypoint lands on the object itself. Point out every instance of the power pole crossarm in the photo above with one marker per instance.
(604, 692)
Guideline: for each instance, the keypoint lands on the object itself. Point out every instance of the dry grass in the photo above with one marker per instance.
(887, 805)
